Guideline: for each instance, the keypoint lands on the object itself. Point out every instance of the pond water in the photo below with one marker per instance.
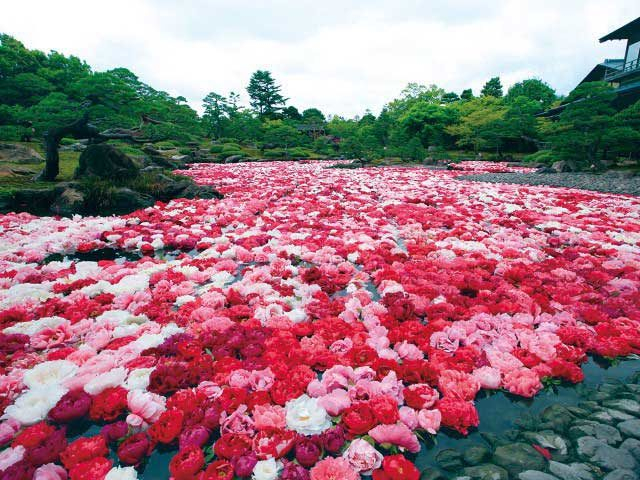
(498, 412)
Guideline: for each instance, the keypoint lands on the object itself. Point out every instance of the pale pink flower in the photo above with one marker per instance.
(398, 435)
(50, 471)
(148, 406)
(335, 402)
(522, 381)
(429, 420)
(10, 456)
(409, 417)
(333, 469)
(239, 378)
(362, 456)
(268, 417)
(8, 430)
(488, 377)
(458, 384)
(261, 380)
(408, 351)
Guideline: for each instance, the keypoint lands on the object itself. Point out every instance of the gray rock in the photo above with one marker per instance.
(70, 201)
(573, 471)
(629, 406)
(561, 166)
(557, 417)
(233, 159)
(548, 439)
(546, 169)
(15, 153)
(608, 457)
(518, 457)
(621, 474)
(633, 446)
(125, 200)
(476, 454)
(105, 161)
(619, 415)
(488, 471)
(602, 416)
(449, 459)
(587, 446)
(587, 428)
(432, 473)
(536, 475)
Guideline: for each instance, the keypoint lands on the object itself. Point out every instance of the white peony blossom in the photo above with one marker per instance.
(34, 405)
(112, 378)
(138, 379)
(122, 473)
(305, 415)
(49, 373)
(34, 326)
(267, 469)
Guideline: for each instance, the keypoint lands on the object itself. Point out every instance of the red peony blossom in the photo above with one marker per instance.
(458, 414)
(231, 445)
(359, 418)
(94, 469)
(134, 449)
(108, 404)
(186, 463)
(396, 467)
(168, 426)
(83, 449)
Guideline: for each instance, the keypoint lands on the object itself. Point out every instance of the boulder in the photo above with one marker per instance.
(621, 474)
(546, 169)
(601, 431)
(14, 153)
(33, 200)
(105, 161)
(74, 147)
(125, 200)
(432, 473)
(561, 166)
(233, 159)
(476, 454)
(536, 475)
(573, 471)
(486, 471)
(630, 428)
(9, 171)
(70, 201)
(628, 406)
(556, 417)
(518, 457)
(449, 459)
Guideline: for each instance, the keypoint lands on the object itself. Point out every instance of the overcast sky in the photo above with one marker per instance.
(340, 56)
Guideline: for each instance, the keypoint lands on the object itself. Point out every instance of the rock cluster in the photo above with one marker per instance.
(598, 439)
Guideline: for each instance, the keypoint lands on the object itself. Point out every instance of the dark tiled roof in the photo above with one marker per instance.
(623, 32)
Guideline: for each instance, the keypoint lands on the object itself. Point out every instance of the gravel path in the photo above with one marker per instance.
(610, 182)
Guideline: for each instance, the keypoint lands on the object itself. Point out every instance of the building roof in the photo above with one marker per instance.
(623, 32)
(597, 72)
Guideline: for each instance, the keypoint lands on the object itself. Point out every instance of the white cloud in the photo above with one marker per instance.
(340, 56)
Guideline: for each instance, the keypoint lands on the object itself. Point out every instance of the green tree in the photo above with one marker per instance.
(450, 97)
(493, 88)
(466, 94)
(264, 94)
(313, 116)
(278, 134)
(581, 134)
(428, 122)
(480, 124)
(291, 113)
(216, 108)
(532, 89)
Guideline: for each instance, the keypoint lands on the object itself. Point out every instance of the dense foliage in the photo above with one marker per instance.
(39, 90)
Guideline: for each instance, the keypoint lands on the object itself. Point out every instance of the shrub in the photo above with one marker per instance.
(184, 151)
(230, 153)
(228, 140)
(166, 145)
(231, 146)
(216, 148)
(543, 156)
(67, 141)
(10, 133)
(274, 153)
